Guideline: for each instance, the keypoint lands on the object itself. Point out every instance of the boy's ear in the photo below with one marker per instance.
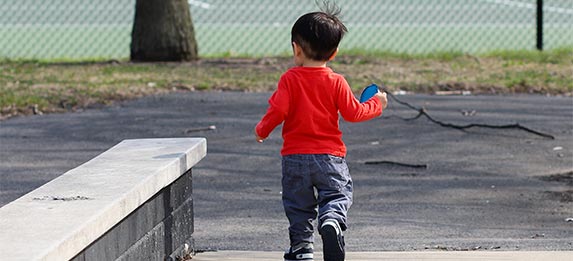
(333, 55)
(296, 49)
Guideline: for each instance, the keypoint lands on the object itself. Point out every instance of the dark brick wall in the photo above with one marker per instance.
(157, 230)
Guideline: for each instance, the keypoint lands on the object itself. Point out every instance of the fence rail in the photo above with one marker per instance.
(81, 29)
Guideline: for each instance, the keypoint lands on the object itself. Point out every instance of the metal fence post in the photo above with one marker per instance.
(540, 25)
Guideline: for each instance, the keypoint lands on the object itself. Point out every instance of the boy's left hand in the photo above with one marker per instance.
(383, 99)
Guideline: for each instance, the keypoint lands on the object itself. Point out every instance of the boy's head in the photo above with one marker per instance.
(318, 34)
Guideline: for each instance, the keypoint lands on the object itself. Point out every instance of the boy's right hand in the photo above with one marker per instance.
(259, 138)
(383, 99)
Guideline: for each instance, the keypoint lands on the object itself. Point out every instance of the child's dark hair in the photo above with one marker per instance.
(319, 33)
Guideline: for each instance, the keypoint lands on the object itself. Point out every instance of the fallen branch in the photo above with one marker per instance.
(416, 166)
(209, 128)
(423, 112)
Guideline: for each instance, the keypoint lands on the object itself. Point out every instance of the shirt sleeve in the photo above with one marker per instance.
(354, 111)
(276, 113)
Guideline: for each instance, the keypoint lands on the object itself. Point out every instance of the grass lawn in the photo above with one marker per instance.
(28, 87)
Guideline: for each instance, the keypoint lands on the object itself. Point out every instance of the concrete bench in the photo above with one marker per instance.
(132, 202)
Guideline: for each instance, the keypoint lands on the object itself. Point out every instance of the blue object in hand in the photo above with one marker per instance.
(368, 92)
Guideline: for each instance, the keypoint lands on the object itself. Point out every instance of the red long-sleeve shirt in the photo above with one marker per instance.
(308, 100)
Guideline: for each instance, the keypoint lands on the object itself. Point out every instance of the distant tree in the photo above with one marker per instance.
(163, 31)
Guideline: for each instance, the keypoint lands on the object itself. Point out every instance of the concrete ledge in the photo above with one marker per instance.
(151, 232)
(62, 218)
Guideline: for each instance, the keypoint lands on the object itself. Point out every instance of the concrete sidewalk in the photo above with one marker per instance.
(371, 256)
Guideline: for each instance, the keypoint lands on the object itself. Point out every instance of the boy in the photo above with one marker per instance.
(308, 100)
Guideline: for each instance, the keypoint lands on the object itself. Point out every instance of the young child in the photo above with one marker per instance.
(309, 98)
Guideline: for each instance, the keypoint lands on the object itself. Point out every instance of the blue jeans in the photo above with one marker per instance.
(314, 185)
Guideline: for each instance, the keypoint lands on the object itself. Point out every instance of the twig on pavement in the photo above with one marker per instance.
(424, 112)
(416, 166)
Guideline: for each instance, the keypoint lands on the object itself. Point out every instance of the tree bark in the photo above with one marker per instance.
(163, 31)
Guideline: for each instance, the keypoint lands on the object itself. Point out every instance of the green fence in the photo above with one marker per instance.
(81, 29)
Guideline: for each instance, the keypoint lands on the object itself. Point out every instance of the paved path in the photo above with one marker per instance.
(487, 189)
(402, 256)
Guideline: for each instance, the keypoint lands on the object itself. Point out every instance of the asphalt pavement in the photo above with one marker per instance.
(480, 189)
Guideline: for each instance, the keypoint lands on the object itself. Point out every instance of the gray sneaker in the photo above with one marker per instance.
(332, 240)
(303, 251)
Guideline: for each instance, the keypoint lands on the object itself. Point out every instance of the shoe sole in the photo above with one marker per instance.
(333, 251)
(304, 257)
(311, 259)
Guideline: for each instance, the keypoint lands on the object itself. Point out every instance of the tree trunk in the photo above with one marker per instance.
(163, 31)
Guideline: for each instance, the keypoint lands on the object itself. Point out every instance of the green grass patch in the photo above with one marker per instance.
(562, 55)
(441, 55)
(59, 86)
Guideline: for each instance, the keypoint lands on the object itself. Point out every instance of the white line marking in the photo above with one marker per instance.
(199, 4)
(531, 6)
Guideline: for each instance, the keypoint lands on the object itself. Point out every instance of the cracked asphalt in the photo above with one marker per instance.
(483, 189)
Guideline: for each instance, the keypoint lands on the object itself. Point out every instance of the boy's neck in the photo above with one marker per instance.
(313, 63)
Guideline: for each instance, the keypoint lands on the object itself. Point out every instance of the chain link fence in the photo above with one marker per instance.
(84, 29)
